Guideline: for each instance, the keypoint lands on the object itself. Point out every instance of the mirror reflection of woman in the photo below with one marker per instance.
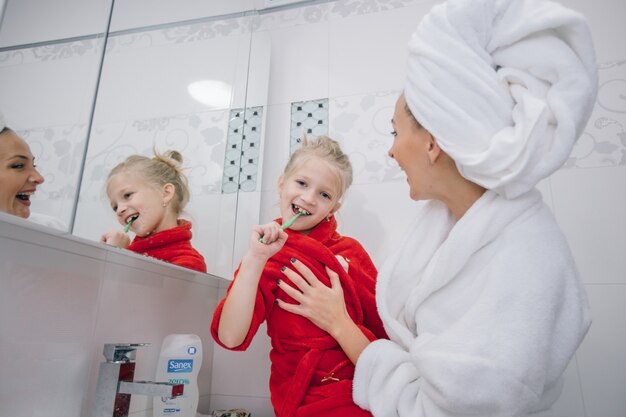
(19, 176)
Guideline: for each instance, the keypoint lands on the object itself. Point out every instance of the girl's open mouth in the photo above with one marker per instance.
(297, 209)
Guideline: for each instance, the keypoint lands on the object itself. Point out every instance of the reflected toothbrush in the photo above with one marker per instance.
(130, 222)
(287, 224)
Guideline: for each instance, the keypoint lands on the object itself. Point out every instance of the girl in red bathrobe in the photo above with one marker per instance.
(150, 194)
(311, 374)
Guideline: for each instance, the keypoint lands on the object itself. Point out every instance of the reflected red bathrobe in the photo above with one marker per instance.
(310, 374)
(171, 245)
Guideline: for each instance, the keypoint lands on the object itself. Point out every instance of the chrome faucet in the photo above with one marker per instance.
(116, 385)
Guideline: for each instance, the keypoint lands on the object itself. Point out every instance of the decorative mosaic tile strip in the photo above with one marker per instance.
(308, 118)
(241, 159)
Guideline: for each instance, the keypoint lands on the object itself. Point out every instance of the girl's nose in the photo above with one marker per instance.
(390, 152)
(309, 196)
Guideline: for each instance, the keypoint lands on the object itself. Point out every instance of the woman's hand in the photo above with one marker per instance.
(116, 238)
(266, 240)
(324, 306)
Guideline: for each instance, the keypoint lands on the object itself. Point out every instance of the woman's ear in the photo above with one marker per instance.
(433, 149)
(169, 191)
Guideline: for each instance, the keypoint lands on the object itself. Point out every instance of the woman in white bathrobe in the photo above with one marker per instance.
(482, 301)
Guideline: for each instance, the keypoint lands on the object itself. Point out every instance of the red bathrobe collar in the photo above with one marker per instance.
(325, 231)
(179, 233)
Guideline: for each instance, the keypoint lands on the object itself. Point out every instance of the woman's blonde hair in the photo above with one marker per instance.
(165, 168)
(328, 150)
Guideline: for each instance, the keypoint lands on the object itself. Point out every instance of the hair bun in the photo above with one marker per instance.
(175, 155)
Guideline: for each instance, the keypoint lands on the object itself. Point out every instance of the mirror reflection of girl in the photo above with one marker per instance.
(152, 192)
(19, 177)
(311, 374)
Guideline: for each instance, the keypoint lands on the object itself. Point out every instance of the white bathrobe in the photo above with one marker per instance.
(483, 314)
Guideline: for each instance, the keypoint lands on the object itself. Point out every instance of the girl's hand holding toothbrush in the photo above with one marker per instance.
(273, 239)
(116, 238)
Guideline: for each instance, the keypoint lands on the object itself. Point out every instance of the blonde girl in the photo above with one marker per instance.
(148, 196)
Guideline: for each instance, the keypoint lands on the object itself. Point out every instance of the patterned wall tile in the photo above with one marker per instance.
(52, 52)
(308, 118)
(362, 124)
(314, 13)
(199, 137)
(58, 151)
(348, 8)
(603, 142)
(241, 159)
(179, 34)
(302, 15)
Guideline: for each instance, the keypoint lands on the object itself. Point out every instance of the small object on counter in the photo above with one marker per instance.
(236, 412)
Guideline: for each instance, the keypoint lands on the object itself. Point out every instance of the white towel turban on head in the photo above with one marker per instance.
(505, 86)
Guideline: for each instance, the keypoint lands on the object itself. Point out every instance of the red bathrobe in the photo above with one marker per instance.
(171, 245)
(310, 373)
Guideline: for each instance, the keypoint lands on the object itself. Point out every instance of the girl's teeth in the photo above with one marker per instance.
(301, 210)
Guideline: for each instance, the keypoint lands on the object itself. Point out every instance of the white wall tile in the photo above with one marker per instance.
(213, 218)
(590, 207)
(151, 82)
(48, 306)
(299, 64)
(258, 75)
(248, 204)
(29, 21)
(606, 22)
(139, 13)
(570, 403)
(377, 215)
(275, 145)
(368, 52)
(601, 359)
(243, 373)
(49, 86)
(270, 206)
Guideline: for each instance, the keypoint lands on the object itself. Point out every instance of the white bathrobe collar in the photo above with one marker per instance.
(438, 248)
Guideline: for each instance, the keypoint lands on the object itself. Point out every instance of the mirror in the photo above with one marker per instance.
(167, 75)
(173, 79)
(50, 55)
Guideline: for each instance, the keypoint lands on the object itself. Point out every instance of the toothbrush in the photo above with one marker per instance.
(291, 221)
(287, 224)
(130, 222)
